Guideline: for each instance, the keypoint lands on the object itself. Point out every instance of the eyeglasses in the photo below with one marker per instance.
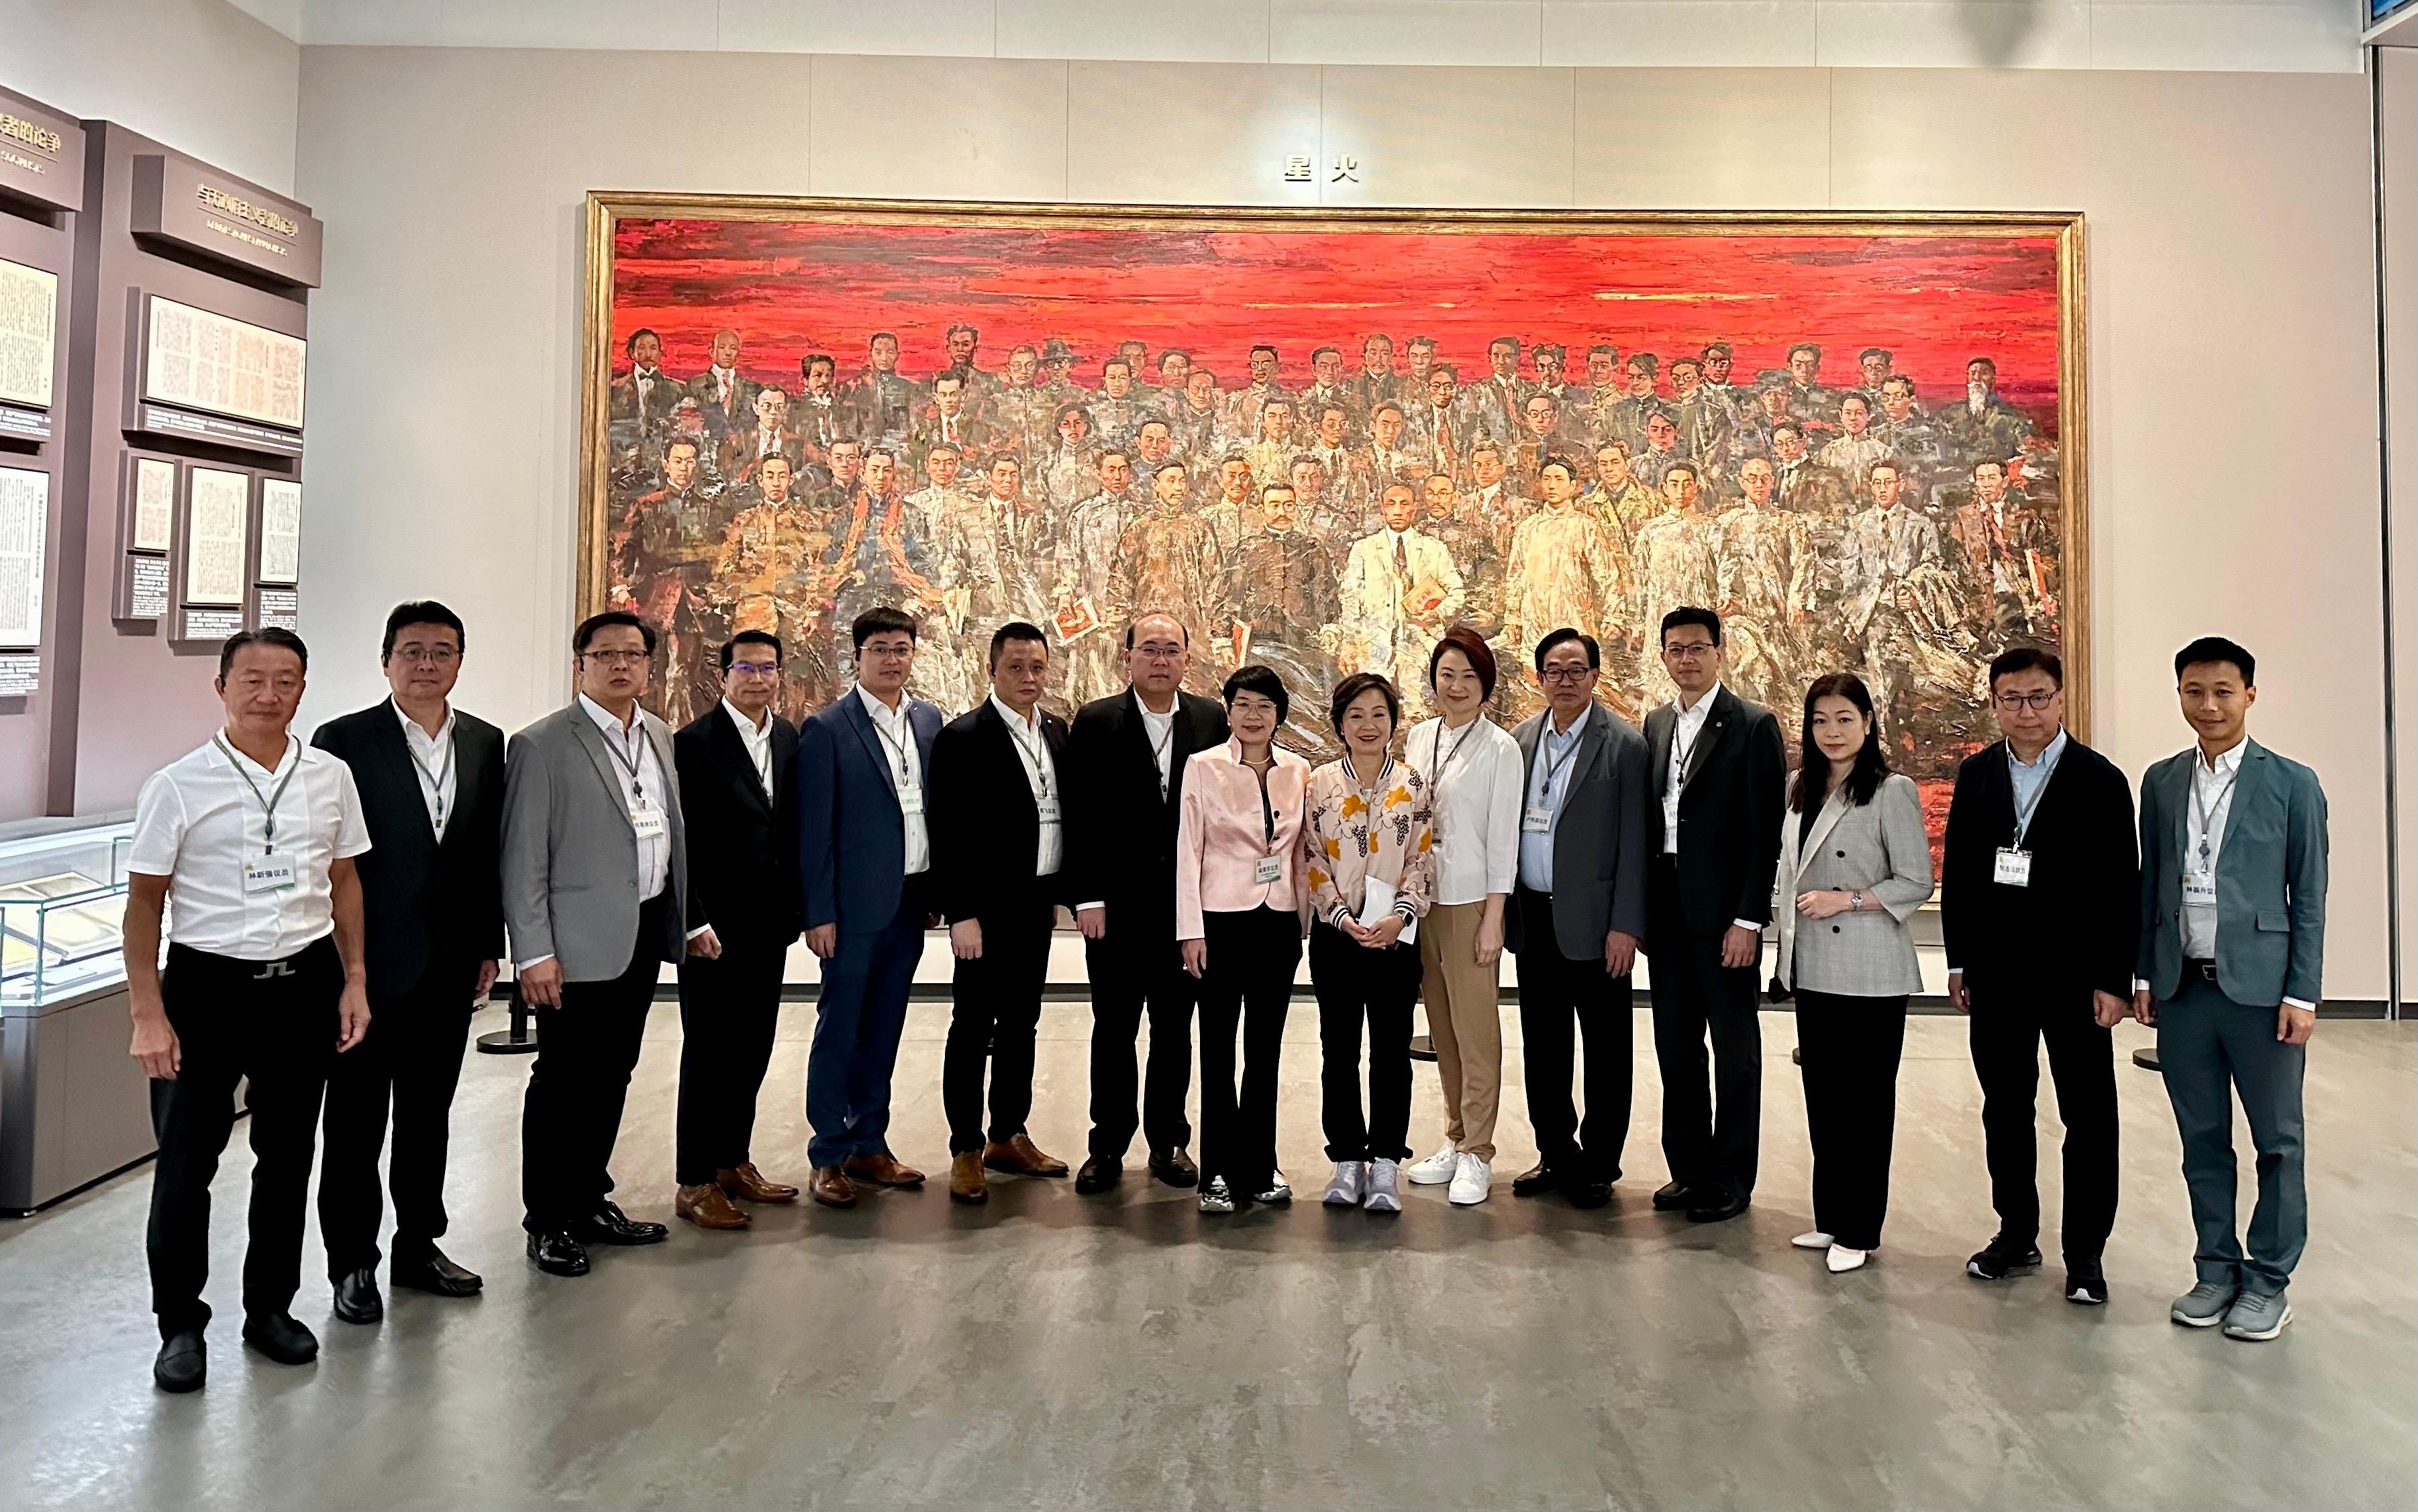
(2036, 702)
(1688, 650)
(617, 658)
(1566, 674)
(433, 655)
(1158, 652)
(755, 669)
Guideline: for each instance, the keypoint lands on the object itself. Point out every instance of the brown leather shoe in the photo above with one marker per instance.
(832, 1188)
(967, 1183)
(744, 1180)
(884, 1170)
(1019, 1157)
(706, 1207)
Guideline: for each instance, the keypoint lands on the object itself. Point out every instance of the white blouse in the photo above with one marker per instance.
(1476, 774)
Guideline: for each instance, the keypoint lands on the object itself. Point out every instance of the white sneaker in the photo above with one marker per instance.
(1813, 1239)
(1842, 1259)
(1472, 1178)
(1383, 1196)
(1350, 1179)
(1214, 1196)
(1276, 1193)
(1437, 1168)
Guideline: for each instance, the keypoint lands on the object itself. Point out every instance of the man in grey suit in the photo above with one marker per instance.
(1576, 917)
(595, 888)
(2233, 927)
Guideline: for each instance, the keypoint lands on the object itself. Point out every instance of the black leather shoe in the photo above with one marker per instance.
(281, 1338)
(1717, 1207)
(1174, 1167)
(183, 1364)
(1589, 1193)
(1537, 1181)
(357, 1297)
(2002, 1257)
(1097, 1176)
(557, 1254)
(438, 1275)
(2086, 1284)
(609, 1225)
(1674, 1197)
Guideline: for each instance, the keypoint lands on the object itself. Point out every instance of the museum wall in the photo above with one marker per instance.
(2232, 405)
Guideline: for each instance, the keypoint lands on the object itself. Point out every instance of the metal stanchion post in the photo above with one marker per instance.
(521, 1039)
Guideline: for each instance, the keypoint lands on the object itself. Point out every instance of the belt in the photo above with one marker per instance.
(2196, 966)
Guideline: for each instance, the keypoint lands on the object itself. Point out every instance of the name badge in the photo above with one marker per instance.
(2014, 867)
(1270, 869)
(1538, 820)
(911, 799)
(2199, 889)
(267, 873)
(647, 822)
(1047, 808)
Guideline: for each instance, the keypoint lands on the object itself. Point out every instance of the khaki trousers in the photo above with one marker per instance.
(1465, 1018)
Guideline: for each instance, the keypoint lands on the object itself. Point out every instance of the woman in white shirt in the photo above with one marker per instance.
(1475, 776)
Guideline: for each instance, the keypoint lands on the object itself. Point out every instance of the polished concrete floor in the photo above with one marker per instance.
(1051, 1352)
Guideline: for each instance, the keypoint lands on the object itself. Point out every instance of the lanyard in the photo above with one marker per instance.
(2024, 812)
(1683, 751)
(906, 778)
(1553, 767)
(2207, 814)
(620, 746)
(436, 778)
(1443, 758)
(1158, 749)
(269, 804)
(1267, 807)
(1033, 753)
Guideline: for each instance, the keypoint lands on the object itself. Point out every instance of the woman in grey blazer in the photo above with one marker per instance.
(1856, 861)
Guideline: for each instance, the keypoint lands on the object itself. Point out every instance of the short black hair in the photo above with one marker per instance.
(1014, 629)
(2017, 659)
(1473, 648)
(595, 623)
(266, 635)
(1687, 467)
(1690, 614)
(1557, 460)
(421, 612)
(630, 347)
(1254, 678)
(884, 620)
(1351, 688)
(2218, 649)
(751, 637)
(1263, 348)
(1555, 638)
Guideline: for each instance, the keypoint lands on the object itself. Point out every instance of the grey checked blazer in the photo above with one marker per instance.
(571, 858)
(1878, 846)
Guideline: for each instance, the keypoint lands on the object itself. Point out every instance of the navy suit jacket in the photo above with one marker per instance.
(851, 836)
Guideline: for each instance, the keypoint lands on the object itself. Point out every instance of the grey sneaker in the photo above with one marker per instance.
(2258, 1316)
(1383, 1194)
(2205, 1305)
(1344, 1190)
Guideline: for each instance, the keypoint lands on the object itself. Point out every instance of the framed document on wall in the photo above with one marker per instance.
(218, 514)
(29, 308)
(280, 531)
(25, 518)
(195, 360)
(147, 518)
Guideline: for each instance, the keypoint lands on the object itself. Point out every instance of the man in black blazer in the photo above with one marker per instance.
(432, 785)
(999, 863)
(739, 794)
(1720, 771)
(1125, 757)
(2039, 905)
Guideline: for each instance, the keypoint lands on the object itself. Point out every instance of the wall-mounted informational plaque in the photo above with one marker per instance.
(211, 624)
(280, 531)
(217, 509)
(146, 587)
(152, 486)
(280, 609)
(200, 360)
(25, 518)
(29, 318)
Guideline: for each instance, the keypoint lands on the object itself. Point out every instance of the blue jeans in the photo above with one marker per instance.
(2210, 1046)
(859, 1015)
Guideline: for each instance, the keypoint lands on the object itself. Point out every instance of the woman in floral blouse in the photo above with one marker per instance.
(1372, 873)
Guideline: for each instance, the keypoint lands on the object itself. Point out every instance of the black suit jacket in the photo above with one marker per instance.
(2077, 925)
(425, 906)
(1121, 837)
(1730, 804)
(743, 847)
(984, 826)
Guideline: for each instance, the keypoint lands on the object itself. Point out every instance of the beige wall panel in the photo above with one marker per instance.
(1703, 138)
(1962, 139)
(1470, 137)
(973, 128)
(1191, 133)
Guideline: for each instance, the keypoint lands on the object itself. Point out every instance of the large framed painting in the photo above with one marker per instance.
(1321, 438)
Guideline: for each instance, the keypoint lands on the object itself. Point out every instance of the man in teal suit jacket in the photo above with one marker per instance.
(2233, 926)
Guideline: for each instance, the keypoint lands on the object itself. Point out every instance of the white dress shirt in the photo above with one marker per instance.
(757, 739)
(1474, 777)
(204, 815)
(1161, 730)
(1041, 771)
(2205, 811)
(1685, 733)
(641, 778)
(432, 758)
(905, 766)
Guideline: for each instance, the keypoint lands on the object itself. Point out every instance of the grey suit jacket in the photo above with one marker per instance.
(1880, 848)
(1600, 840)
(2270, 880)
(571, 858)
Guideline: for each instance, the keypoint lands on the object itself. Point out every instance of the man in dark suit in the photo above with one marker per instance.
(865, 853)
(640, 405)
(998, 863)
(432, 785)
(1720, 769)
(1577, 915)
(1126, 756)
(2039, 907)
(2233, 943)
(738, 792)
(726, 396)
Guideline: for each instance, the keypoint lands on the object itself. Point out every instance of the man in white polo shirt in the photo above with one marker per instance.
(253, 838)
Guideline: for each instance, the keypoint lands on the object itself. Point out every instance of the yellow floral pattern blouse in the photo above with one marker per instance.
(1358, 832)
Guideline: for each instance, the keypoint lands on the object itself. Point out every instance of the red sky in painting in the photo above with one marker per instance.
(791, 288)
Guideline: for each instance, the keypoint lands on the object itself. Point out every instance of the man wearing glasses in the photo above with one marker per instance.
(2040, 906)
(432, 785)
(738, 792)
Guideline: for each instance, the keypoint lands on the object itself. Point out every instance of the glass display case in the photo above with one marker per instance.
(62, 907)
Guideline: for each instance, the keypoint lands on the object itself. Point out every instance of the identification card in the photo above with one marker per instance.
(267, 873)
(1538, 820)
(1270, 869)
(2199, 890)
(2014, 867)
(647, 822)
(911, 799)
(1047, 808)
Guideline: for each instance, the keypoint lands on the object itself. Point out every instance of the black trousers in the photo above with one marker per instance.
(1712, 1130)
(2008, 1026)
(411, 1060)
(1850, 1049)
(273, 1022)
(573, 1112)
(1133, 972)
(996, 1007)
(1248, 985)
(1357, 986)
(1556, 993)
(729, 1008)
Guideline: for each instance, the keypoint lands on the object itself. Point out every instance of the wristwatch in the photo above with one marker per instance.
(1856, 902)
